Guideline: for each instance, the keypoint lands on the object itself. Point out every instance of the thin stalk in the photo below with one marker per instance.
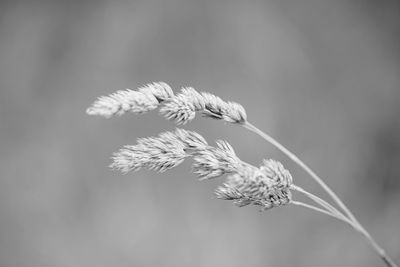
(351, 218)
(382, 253)
(293, 157)
(344, 219)
(388, 261)
(318, 200)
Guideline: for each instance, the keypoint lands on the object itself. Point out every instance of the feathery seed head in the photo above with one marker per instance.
(275, 171)
(160, 153)
(145, 99)
(179, 108)
(160, 90)
(129, 158)
(182, 108)
(255, 187)
(216, 108)
(235, 113)
(156, 153)
(192, 140)
(213, 162)
(194, 98)
(121, 102)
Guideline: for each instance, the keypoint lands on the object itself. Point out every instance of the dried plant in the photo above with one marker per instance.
(267, 186)
(144, 99)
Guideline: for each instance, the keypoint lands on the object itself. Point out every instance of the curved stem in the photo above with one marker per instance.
(293, 157)
(344, 219)
(382, 253)
(351, 218)
(388, 261)
(318, 200)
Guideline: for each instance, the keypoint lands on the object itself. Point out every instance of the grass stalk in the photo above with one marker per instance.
(326, 212)
(318, 200)
(351, 219)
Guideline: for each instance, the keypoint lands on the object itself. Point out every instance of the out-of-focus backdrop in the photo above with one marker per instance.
(320, 76)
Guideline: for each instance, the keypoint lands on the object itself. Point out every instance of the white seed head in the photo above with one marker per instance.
(216, 108)
(194, 98)
(179, 109)
(182, 108)
(255, 187)
(275, 171)
(213, 162)
(130, 158)
(157, 153)
(191, 140)
(160, 90)
(145, 99)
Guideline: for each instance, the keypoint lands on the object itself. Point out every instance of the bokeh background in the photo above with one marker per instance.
(320, 76)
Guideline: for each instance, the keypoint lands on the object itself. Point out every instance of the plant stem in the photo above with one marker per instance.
(388, 261)
(335, 213)
(318, 200)
(344, 219)
(385, 257)
(293, 157)
(351, 218)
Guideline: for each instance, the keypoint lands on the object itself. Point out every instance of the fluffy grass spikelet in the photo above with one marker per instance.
(229, 111)
(258, 187)
(143, 100)
(184, 106)
(275, 171)
(181, 108)
(216, 161)
(191, 140)
(160, 153)
(267, 186)
(157, 153)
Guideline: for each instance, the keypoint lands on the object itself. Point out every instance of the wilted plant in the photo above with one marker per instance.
(267, 186)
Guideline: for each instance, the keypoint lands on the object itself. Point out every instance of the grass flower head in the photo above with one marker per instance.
(267, 186)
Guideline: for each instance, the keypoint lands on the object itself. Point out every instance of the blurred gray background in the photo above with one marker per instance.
(320, 76)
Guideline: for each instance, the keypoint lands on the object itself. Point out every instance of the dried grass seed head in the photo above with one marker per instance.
(216, 108)
(157, 153)
(160, 153)
(191, 140)
(275, 171)
(213, 162)
(145, 99)
(183, 107)
(160, 90)
(256, 187)
(179, 108)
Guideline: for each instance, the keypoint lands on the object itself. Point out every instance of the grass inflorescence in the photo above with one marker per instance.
(267, 186)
